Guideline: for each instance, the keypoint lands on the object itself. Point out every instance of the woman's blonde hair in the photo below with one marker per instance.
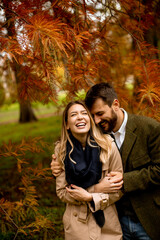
(103, 140)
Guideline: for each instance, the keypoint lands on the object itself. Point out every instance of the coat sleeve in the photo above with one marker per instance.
(61, 191)
(146, 175)
(103, 200)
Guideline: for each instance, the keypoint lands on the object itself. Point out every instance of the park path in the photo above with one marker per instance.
(39, 116)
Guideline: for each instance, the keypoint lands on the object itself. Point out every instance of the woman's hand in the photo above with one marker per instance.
(110, 184)
(79, 193)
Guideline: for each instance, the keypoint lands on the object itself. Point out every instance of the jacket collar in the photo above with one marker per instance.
(130, 138)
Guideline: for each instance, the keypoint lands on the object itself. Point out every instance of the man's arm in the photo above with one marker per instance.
(147, 174)
(113, 181)
(110, 184)
(107, 191)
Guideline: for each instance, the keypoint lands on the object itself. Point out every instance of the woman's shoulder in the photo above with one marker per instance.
(108, 136)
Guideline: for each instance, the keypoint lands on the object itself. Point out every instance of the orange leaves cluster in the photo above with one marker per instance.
(14, 215)
(149, 89)
(151, 92)
(32, 85)
(69, 34)
(48, 35)
(16, 150)
(43, 39)
(11, 49)
(40, 224)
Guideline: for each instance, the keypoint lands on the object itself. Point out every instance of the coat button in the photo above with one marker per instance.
(75, 214)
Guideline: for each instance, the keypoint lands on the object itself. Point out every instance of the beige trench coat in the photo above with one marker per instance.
(79, 223)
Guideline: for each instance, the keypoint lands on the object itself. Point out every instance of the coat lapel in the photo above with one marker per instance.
(130, 138)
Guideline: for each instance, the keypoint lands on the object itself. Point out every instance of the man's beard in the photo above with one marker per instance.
(111, 123)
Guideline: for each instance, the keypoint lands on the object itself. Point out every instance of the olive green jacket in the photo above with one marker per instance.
(141, 163)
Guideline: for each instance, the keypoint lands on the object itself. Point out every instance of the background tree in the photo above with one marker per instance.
(92, 40)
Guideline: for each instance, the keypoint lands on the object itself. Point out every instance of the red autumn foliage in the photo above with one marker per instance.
(92, 41)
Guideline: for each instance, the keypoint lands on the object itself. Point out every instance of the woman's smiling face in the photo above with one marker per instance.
(78, 120)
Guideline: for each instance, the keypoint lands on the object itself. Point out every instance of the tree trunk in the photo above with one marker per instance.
(26, 113)
(152, 35)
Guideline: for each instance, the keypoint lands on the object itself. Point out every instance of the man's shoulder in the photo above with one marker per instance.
(141, 118)
(142, 122)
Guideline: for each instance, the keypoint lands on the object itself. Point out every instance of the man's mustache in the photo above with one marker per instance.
(103, 122)
(102, 127)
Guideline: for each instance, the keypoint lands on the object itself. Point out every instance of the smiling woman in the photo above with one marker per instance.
(78, 122)
(86, 157)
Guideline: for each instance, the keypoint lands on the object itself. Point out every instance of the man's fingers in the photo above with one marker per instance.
(115, 180)
(55, 164)
(115, 190)
(113, 173)
(56, 167)
(118, 183)
(56, 171)
(53, 157)
(116, 186)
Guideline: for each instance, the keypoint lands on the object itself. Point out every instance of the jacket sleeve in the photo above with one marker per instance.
(61, 191)
(147, 174)
(103, 200)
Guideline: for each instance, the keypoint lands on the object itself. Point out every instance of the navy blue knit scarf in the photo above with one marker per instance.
(87, 170)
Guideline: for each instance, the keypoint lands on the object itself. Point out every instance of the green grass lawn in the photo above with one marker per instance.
(49, 129)
(11, 113)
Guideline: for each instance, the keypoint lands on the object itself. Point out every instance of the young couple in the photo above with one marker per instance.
(89, 171)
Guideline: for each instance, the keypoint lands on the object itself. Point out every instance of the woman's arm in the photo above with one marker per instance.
(62, 192)
(71, 194)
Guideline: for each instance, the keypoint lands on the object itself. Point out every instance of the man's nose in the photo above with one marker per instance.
(97, 119)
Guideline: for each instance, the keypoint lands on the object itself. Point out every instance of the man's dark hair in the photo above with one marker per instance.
(101, 90)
